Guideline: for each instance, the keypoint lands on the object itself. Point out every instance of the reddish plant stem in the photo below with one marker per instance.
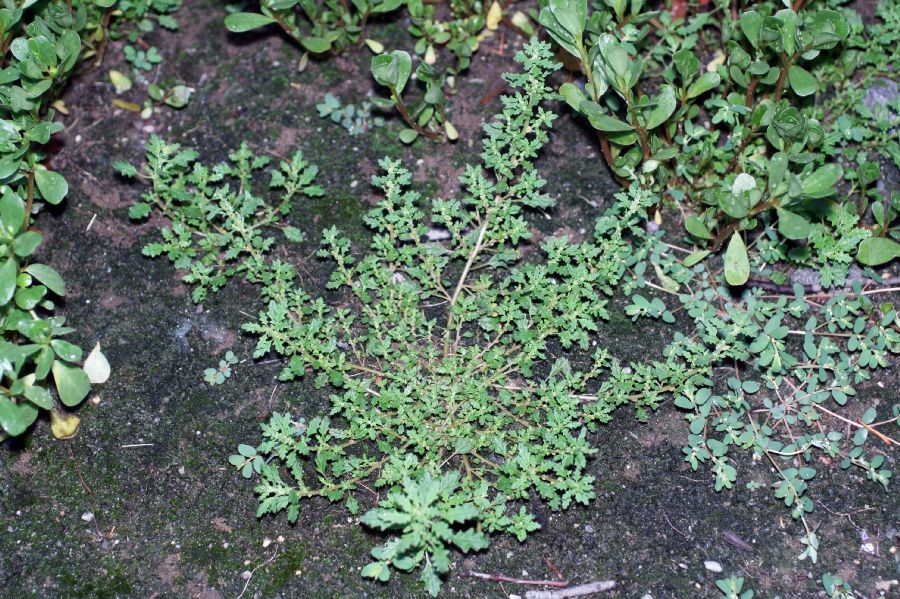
(750, 91)
(786, 65)
(401, 108)
(501, 578)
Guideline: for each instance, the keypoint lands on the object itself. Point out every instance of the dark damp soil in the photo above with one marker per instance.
(142, 502)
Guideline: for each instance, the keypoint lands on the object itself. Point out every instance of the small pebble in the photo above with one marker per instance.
(246, 575)
(868, 548)
(266, 542)
(588, 528)
(87, 516)
(713, 566)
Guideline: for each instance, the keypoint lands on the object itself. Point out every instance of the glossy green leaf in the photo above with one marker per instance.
(240, 22)
(703, 84)
(316, 45)
(8, 273)
(604, 122)
(15, 418)
(821, 182)
(791, 225)
(72, 383)
(737, 264)
(392, 70)
(802, 81)
(25, 244)
(664, 107)
(408, 136)
(48, 276)
(52, 185)
(878, 250)
(697, 228)
(696, 257)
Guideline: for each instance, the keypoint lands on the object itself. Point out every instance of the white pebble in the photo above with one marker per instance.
(713, 566)
(87, 516)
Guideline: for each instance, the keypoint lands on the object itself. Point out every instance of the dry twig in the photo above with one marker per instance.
(599, 586)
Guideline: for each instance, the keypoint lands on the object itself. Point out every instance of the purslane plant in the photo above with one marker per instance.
(319, 26)
(41, 46)
(750, 149)
(427, 117)
(334, 26)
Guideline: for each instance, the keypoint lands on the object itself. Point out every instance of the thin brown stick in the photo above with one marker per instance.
(501, 578)
(877, 433)
(78, 470)
(553, 568)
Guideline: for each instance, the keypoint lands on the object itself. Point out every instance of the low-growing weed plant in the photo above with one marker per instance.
(355, 118)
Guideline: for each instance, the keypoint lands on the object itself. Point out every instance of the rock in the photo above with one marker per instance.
(880, 93)
(87, 516)
(885, 585)
(713, 566)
